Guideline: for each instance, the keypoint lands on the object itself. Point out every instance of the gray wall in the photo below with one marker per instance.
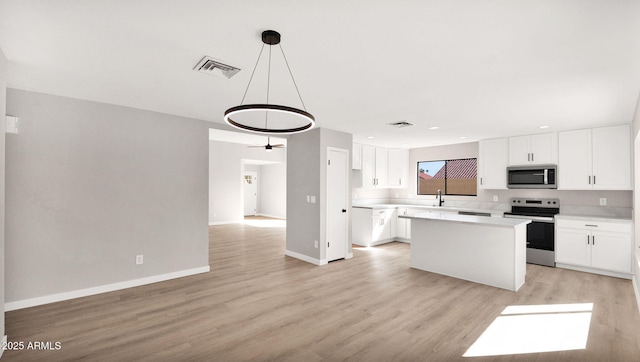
(303, 178)
(226, 189)
(3, 111)
(306, 175)
(90, 185)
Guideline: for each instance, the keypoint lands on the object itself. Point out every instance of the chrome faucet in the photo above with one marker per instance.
(440, 200)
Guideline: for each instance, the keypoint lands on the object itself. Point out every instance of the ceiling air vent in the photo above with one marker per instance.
(213, 66)
(401, 124)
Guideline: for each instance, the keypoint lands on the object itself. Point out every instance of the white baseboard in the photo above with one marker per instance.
(306, 258)
(349, 256)
(272, 216)
(635, 281)
(32, 302)
(594, 271)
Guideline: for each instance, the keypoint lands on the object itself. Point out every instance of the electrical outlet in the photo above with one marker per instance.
(139, 259)
(308, 198)
(313, 199)
(603, 201)
(315, 243)
(495, 198)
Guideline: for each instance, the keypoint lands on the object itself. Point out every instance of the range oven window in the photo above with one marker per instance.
(540, 235)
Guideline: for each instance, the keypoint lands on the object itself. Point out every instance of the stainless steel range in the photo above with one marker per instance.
(540, 233)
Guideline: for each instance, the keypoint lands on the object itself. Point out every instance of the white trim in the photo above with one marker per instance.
(4, 343)
(306, 258)
(634, 281)
(272, 216)
(349, 256)
(32, 302)
(595, 271)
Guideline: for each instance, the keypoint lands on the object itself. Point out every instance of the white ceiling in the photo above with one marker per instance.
(474, 68)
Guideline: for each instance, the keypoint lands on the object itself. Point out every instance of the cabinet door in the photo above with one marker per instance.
(382, 160)
(398, 167)
(611, 149)
(574, 160)
(368, 166)
(543, 148)
(573, 247)
(378, 228)
(519, 153)
(611, 251)
(356, 156)
(493, 164)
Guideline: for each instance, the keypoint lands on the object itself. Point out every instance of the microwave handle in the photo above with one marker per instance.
(546, 176)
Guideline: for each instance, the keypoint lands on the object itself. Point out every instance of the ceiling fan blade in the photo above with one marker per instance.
(279, 145)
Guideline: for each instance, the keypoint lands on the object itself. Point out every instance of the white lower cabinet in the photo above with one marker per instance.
(403, 226)
(373, 226)
(595, 245)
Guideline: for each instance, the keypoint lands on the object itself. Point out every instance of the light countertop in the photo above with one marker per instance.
(471, 219)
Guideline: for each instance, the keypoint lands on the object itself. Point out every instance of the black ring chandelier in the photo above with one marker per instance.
(269, 37)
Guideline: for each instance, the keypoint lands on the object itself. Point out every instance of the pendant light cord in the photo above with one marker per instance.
(252, 73)
(292, 78)
(266, 113)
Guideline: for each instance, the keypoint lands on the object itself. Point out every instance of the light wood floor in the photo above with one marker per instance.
(256, 304)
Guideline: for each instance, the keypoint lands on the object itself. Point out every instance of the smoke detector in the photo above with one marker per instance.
(212, 66)
(401, 124)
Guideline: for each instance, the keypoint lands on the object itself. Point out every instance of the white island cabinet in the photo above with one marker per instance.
(486, 250)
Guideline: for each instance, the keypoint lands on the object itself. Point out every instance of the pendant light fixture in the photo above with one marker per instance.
(269, 118)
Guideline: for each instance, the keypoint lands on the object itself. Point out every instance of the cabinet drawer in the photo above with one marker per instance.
(595, 225)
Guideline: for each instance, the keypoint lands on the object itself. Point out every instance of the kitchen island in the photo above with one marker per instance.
(486, 250)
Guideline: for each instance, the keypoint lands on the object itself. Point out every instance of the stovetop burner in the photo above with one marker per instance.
(535, 207)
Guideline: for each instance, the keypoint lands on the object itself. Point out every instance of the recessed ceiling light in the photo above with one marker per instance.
(543, 127)
(370, 137)
(434, 127)
(462, 137)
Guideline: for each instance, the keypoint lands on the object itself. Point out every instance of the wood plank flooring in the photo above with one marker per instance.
(258, 305)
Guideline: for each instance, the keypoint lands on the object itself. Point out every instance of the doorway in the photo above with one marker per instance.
(337, 203)
(250, 193)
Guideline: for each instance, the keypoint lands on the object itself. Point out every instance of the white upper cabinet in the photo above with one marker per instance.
(382, 166)
(536, 149)
(398, 167)
(356, 156)
(374, 166)
(598, 159)
(492, 164)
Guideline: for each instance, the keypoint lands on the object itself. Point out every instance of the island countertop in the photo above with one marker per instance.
(471, 219)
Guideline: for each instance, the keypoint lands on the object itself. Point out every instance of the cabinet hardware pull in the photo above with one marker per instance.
(594, 179)
(588, 240)
(589, 180)
(532, 156)
(528, 157)
(591, 225)
(593, 240)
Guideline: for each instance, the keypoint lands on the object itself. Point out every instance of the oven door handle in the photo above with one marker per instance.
(549, 220)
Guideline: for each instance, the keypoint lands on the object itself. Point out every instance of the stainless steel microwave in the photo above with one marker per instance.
(532, 177)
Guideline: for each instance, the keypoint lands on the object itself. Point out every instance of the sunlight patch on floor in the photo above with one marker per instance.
(371, 249)
(534, 329)
(266, 223)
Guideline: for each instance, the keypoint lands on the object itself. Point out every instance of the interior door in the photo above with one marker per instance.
(337, 203)
(250, 193)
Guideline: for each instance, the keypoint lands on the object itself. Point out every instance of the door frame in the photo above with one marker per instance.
(347, 173)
